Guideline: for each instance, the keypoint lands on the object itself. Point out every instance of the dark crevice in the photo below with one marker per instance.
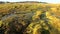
(45, 31)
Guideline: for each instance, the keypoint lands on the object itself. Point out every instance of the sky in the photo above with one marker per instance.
(48, 1)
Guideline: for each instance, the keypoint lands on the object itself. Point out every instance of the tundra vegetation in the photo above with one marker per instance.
(29, 18)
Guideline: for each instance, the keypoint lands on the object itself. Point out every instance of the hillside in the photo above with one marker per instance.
(29, 18)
